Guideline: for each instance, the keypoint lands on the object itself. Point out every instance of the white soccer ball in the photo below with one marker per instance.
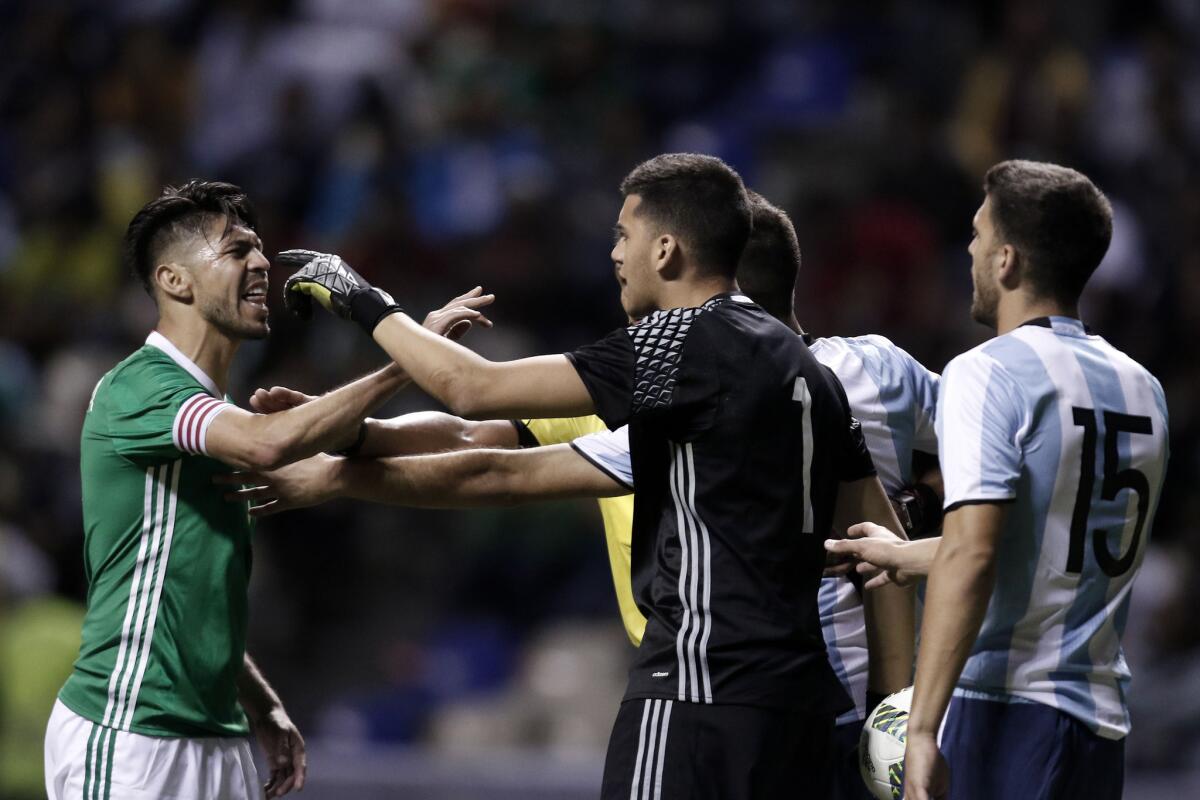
(881, 746)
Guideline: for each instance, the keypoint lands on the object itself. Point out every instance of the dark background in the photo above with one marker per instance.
(440, 144)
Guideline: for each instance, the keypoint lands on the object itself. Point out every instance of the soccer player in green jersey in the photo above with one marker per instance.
(163, 696)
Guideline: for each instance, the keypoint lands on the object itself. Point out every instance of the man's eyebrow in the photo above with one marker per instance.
(236, 240)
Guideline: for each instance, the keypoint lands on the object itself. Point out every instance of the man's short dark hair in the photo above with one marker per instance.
(1058, 221)
(186, 210)
(770, 263)
(699, 199)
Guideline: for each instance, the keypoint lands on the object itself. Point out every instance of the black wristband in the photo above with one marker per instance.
(931, 510)
(369, 306)
(358, 442)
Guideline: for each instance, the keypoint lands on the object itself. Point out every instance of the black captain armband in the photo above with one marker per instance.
(919, 509)
(353, 449)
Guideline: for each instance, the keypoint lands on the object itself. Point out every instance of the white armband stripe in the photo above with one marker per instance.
(210, 413)
(190, 428)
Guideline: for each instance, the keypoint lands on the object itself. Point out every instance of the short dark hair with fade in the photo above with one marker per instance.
(770, 263)
(698, 198)
(185, 210)
(1057, 220)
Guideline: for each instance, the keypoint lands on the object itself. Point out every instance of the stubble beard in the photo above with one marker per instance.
(230, 324)
(983, 306)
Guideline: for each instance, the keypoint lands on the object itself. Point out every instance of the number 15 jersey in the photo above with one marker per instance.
(1072, 433)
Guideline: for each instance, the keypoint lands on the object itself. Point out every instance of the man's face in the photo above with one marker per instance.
(229, 275)
(632, 258)
(984, 247)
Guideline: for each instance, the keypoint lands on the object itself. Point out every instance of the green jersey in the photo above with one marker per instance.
(167, 558)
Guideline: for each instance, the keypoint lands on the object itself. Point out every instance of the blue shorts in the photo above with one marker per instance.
(1029, 751)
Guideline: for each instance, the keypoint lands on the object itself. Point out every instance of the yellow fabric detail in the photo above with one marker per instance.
(316, 291)
(616, 512)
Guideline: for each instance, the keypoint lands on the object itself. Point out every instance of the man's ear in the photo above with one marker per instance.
(1008, 268)
(174, 281)
(667, 257)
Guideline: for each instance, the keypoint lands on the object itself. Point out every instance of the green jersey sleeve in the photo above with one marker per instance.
(158, 412)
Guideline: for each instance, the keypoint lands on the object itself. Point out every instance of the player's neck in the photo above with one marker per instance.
(208, 348)
(694, 292)
(1015, 310)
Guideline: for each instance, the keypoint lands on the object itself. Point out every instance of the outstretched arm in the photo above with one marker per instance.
(268, 441)
(448, 480)
(888, 609)
(473, 387)
(408, 434)
(330, 422)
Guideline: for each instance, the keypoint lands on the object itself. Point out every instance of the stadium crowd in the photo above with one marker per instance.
(440, 144)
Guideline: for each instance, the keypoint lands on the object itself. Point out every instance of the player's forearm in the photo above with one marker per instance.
(889, 610)
(464, 479)
(891, 633)
(472, 478)
(916, 558)
(255, 695)
(475, 388)
(451, 373)
(956, 599)
(328, 423)
(433, 432)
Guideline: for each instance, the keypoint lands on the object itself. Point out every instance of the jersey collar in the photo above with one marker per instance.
(1067, 325)
(156, 339)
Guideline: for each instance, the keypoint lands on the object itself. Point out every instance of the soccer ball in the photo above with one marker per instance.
(881, 746)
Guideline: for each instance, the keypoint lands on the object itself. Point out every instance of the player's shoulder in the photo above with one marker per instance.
(878, 355)
(1123, 361)
(868, 347)
(143, 375)
(148, 368)
(987, 361)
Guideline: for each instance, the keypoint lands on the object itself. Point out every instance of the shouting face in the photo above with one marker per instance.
(229, 278)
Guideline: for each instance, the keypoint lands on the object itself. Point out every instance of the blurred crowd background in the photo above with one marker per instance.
(440, 144)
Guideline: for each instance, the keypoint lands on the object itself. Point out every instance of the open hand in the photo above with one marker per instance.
(874, 552)
(926, 776)
(283, 747)
(455, 318)
(304, 483)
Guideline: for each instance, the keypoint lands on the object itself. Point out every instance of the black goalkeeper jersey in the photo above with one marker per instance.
(738, 439)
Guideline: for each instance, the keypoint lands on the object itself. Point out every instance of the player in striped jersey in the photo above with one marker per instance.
(1053, 445)
(893, 397)
(162, 696)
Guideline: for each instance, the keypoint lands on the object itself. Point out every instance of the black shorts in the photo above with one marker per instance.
(847, 777)
(666, 749)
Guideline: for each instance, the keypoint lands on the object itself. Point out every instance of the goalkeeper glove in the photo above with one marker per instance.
(332, 283)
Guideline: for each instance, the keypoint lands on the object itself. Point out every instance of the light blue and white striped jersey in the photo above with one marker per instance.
(1073, 434)
(894, 398)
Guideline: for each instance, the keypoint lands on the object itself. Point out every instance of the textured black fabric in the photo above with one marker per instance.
(727, 555)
